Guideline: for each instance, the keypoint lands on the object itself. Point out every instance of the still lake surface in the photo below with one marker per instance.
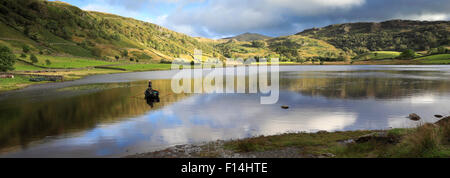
(105, 115)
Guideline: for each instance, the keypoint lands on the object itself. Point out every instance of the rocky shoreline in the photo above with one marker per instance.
(216, 150)
(323, 144)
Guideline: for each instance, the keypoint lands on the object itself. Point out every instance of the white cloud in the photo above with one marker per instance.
(162, 21)
(237, 16)
(311, 7)
(110, 9)
(96, 7)
(215, 18)
(428, 16)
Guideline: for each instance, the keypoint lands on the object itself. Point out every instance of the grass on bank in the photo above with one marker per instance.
(280, 63)
(427, 140)
(19, 81)
(144, 67)
(78, 74)
(435, 59)
(389, 57)
(305, 140)
(15, 83)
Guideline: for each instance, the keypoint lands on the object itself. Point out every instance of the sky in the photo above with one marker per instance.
(224, 18)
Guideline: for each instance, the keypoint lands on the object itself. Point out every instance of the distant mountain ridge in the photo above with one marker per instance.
(248, 37)
(393, 35)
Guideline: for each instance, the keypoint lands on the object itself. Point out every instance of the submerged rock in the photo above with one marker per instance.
(414, 117)
(285, 107)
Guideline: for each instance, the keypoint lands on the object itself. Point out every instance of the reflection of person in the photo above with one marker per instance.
(151, 95)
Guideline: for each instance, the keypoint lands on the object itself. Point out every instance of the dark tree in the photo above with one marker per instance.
(258, 44)
(407, 54)
(33, 59)
(97, 52)
(441, 50)
(124, 53)
(25, 48)
(7, 59)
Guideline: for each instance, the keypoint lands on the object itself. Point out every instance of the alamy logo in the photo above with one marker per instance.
(233, 76)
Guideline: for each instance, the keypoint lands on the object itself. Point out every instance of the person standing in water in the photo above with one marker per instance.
(151, 95)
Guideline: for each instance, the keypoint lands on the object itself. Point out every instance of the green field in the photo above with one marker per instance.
(268, 63)
(66, 62)
(21, 66)
(435, 59)
(378, 55)
(144, 67)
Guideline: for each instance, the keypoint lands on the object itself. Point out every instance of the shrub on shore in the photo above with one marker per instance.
(425, 141)
(428, 140)
(407, 54)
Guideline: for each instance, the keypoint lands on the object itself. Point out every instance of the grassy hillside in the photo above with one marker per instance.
(293, 48)
(395, 35)
(242, 49)
(249, 37)
(59, 28)
(301, 48)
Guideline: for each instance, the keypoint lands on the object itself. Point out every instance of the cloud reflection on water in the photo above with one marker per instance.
(317, 100)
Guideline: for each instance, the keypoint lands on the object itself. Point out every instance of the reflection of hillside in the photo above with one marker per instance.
(24, 122)
(359, 88)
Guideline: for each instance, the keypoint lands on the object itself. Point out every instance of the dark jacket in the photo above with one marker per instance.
(151, 94)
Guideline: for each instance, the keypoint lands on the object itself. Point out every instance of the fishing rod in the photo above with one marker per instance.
(135, 96)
